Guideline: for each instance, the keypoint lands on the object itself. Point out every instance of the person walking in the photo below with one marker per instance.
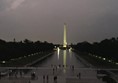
(53, 71)
(47, 78)
(44, 79)
(79, 75)
(73, 67)
(55, 79)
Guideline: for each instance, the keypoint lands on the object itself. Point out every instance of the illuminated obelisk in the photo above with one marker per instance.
(65, 38)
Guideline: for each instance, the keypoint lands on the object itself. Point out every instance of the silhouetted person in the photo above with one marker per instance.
(79, 75)
(44, 79)
(72, 67)
(59, 65)
(55, 79)
(47, 78)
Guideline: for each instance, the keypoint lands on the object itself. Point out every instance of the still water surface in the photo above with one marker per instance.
(62, 57)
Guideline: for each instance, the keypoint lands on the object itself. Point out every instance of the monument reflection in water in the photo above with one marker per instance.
(64, 60)
(58, 52)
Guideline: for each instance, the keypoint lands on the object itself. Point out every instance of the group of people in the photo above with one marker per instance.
(59, 66)
(15, 73)
(79, 75)
(46, 78)
(62, 66)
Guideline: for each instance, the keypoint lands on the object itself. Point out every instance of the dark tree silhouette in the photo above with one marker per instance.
(10, 50)
(107, 48)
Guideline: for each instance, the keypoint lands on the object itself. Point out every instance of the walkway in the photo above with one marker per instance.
(64, 75)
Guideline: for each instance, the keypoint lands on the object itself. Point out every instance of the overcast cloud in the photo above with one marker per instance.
(87, 20)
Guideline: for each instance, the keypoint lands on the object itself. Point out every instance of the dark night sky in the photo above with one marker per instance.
(87, 20)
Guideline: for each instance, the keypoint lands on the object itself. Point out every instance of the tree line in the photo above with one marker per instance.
(10, 50)
(107, 48)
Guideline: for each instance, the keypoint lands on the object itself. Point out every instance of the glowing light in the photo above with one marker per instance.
(104, 58)
(3, 62)
(70, 50)
(100, 57)
(58, 52)
(64, 41)
(109, 60)
(116, 63)
(64, 60)
(70, 53)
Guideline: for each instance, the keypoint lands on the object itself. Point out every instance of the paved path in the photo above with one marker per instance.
(64, 75)
(63, 64)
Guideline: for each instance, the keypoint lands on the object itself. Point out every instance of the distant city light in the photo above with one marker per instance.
(116, 63)
(104, 58)
(3, 61)
(70, 50)
(100, 57)
(58, 52)
(109, 60)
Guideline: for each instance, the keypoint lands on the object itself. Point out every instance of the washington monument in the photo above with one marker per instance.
(65, 36)
(65, 45)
